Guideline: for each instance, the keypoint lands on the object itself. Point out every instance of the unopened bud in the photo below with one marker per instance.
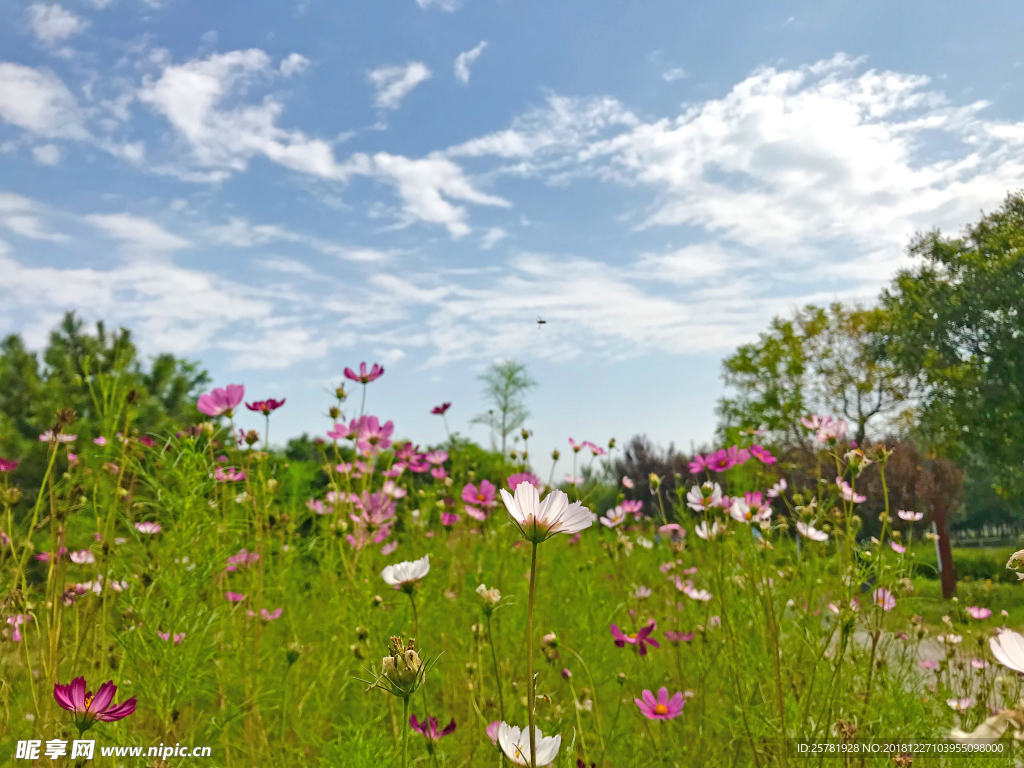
(341, 394)
(555, 454)
(251, 437)
(335, 412)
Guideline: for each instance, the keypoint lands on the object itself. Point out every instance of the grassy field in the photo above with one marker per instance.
(252, 616)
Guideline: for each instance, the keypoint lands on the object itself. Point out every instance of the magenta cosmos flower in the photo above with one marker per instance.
(429, 727)
(265, 406)
(479, 496)
(884, 599)
(523, 477)
(364, 376)
(661, 708)
(439, 410)
(978, 613)
(640, 639)
(89, 708)
(374, 436)
(222, 402)
(8, 465)
(762, 454)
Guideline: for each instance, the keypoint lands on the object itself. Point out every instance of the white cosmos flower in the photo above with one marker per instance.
(906, 514)
(778, 489)
(516, 744)
(404, 574)
(613, 517)
(705, 533)
(539, 521)
(1008, 648)
(702, 497)
(810, 532)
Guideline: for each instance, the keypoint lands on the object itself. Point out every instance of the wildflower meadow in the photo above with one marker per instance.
(386, 603)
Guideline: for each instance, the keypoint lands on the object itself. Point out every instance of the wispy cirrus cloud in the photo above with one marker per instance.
(395, 83)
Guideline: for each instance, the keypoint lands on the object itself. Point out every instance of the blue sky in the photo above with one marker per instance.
(284, 189)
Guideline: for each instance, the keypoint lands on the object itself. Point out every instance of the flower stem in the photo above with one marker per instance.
(405, 733)
(497, 674)
(532, 704)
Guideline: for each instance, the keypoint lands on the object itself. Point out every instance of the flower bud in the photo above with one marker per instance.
(251, 438)
(11, 495)
(655, 481)
(334, 412)
(341, 394)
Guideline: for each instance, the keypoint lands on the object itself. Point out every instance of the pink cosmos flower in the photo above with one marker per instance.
(960, 704)
(234, 597)
(699, 464)
(812, 422)
(16, 621)
(429, 728)
(928, 664)
(448, 519)
(45, 556)
(437, 457)
(573, 480)
(613, 517)
(577, 447)
(524, 477)
(762, 454)
(778, 489)
(84, 556)
(674, 532)
(148, 527)
(348, 431)
(595, 450)
(884, 599)
(627, 482)
(898, 548)
(388, 548)
(476, 514)
(266, 407)
(364, 377)
(848, 493)
(662, 708)
(492, 731)
(5, 540)
(392, 490)
(978, 613)
(632, 507)
(100, 441)
(8, 465)
(640, 639)
(315, 505)
(166, 637)
(438, 473)
(913, 517)
(375, 436)
(831, 429)
(230, 474)
(719, 461)
(678, 637)
(89, 708)
(269, 615)
(482, 496)
(222, 401)
(439, 410)
(244, 558)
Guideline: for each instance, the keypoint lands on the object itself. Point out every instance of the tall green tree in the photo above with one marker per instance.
(505, 386)
(822, 360)
(957, 326)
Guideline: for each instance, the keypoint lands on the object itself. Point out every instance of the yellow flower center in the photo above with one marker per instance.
(747, 515)
(479, 497)
(661, 709)
(633, 636)
(88, 701)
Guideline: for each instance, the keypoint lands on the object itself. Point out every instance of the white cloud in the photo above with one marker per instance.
(492, 237)
(444, 5)
(293, 64)
(46, 154)
(52, 23)
(189, 95)
(24, 217)
(242, 234)
(465, 60)
(394, 83)
(37, 101)
(424, 184)
(676, 73)
(139, 235)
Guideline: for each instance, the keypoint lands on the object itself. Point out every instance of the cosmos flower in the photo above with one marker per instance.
(762, 454)
(808, 531)
(166, 637)
(48, 436)
(848, 493)
(613, 517)
(89, 708)
(913, 517)
(662, 708)
(538, 521)
(640, 639)
(884, 599)
(479, 496)
(523, 477)
(403, 575)
(448, 519)
(100, 441)
(82, 557)
(429, 728)
(898, 548)
(778, 489)
(699, 464)
(439, 410)
(8, 465)
(222, 402)
(978, 613)
(148, 527)
(705, 532)
(364, 376)
(678, 637)
(16, 621)
(515, 744)
(929, 664)
(374, 436)
(673, 531)
(703, 497)
(627, 482)
(960, 704)
(266, 407)
(234, 597)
